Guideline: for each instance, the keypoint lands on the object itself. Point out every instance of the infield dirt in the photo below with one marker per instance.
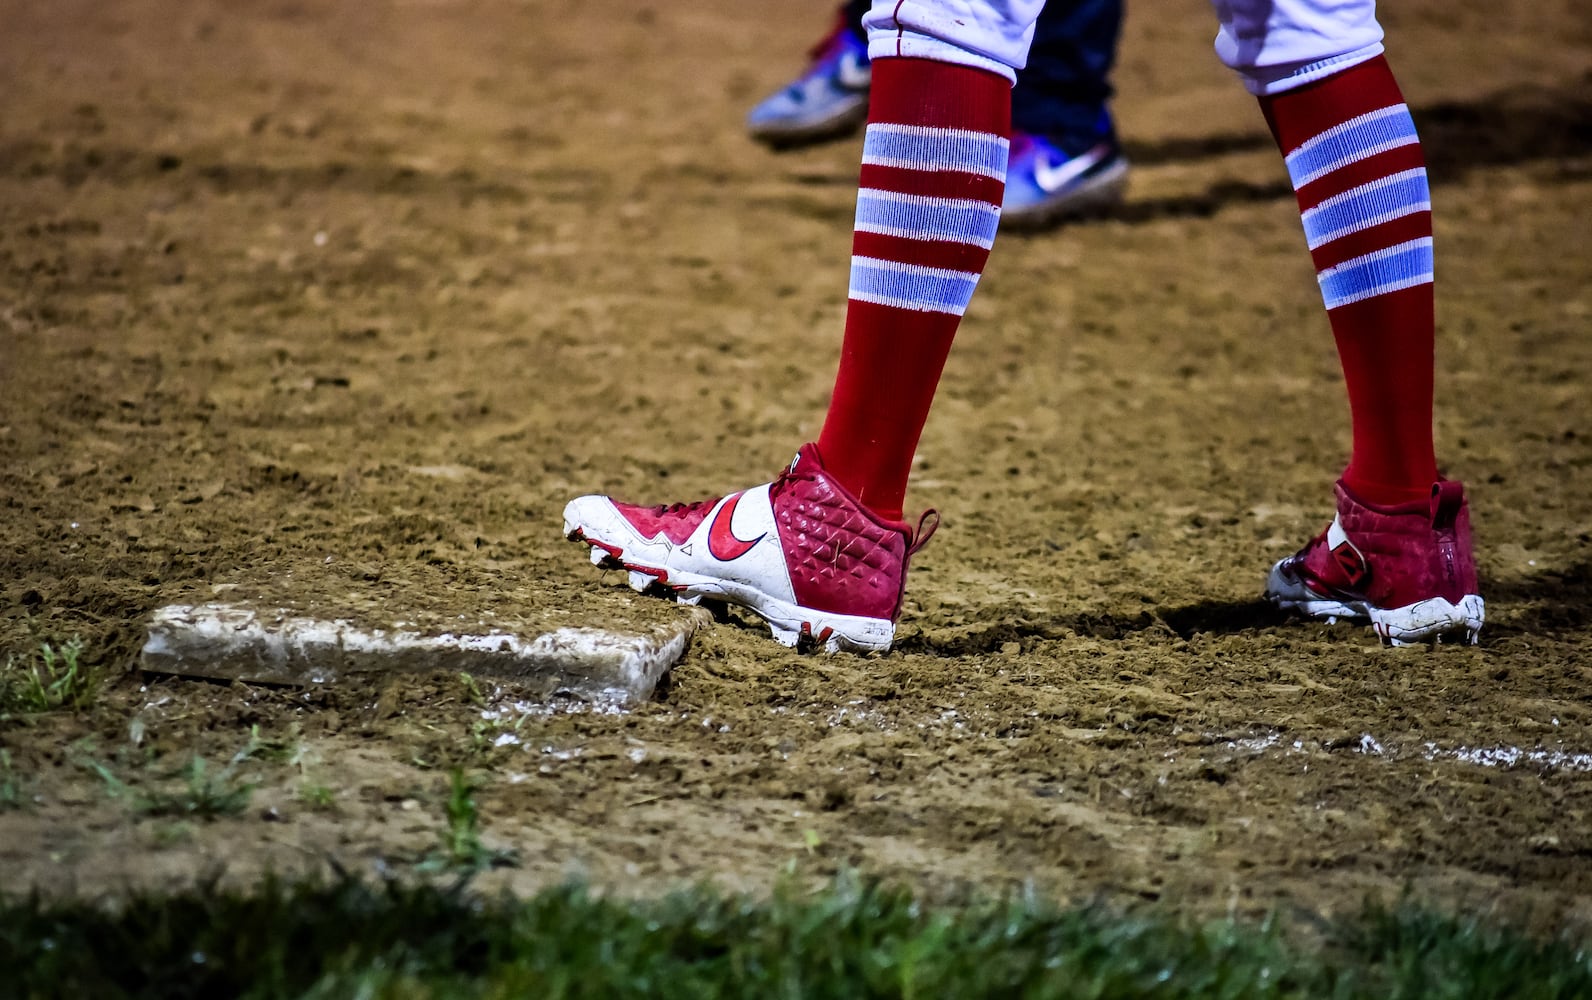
(341, 302)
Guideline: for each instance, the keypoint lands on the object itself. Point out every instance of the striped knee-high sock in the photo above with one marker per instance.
(928, 205)
(1360, 178)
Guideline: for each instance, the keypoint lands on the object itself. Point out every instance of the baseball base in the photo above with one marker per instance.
(231, 642)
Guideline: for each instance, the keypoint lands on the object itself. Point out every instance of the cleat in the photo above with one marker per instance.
(800, 552)
(689, 600)
(1408, 570)
(828, 101)
(1045, 184)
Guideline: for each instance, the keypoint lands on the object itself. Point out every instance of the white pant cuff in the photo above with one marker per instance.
(907, 44)
(1269, 80)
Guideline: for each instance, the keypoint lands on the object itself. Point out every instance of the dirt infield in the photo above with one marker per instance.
(339, 303)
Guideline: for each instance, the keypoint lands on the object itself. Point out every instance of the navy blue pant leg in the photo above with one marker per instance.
(1063, 91)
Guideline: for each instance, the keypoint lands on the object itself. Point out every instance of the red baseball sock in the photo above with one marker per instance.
(1360, 178)
(928, 205)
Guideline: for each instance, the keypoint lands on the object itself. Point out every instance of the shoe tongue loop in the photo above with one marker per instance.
(1447, 498)
(921, 536)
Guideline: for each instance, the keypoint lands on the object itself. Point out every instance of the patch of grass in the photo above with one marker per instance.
(12, 795)
(193, 791)
(317, 797)
(50, 678)
(115, 787)
(484, 747)
(852, 938)
(277, 750)
(201, 793)
(471, 691)
(461, 850)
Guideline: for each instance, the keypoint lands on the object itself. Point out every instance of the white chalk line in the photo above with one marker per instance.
(1501, 756)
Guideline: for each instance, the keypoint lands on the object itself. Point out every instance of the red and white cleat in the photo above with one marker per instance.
(801, 552)
(1409, 569)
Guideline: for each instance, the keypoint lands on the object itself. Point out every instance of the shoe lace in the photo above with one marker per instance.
(781, 483)
(920, 536)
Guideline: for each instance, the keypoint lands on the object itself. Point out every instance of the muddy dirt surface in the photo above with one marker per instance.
(343, 301)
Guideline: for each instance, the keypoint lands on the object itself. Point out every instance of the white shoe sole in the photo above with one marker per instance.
(1414, 624)
(841, 122)
(791, 624)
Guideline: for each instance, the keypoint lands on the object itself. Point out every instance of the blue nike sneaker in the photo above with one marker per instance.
(1045, 184)
(829, 100)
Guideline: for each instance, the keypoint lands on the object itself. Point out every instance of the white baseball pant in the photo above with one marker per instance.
(1273, 45)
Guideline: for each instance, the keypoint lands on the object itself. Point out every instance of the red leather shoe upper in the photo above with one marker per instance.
(842, 557)
(675, 521)
(1393, 557)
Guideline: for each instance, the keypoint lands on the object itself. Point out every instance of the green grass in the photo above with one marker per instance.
(317, 797)
(461, 850)
(48, 678)
(854, 938)
(193, 791)
(12, 793)
(200, 793)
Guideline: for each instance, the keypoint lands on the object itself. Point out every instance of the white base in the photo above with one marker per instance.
(238, 643)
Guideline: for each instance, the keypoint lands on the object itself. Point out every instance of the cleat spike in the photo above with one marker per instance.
(688, 599)
(784, 636)
(598, 556)
(639, 581)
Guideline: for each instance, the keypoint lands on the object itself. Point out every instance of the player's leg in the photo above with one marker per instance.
(821, 551)
(933, 164)
(1066, 160)
(1399, 551)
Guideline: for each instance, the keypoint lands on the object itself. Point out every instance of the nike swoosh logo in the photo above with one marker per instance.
(854, 72)
(722, 542)
(1052, 177)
